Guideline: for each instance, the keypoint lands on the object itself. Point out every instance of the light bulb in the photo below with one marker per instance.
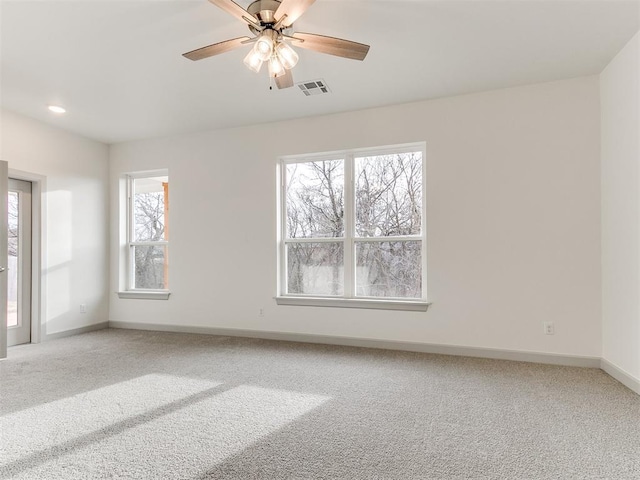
(275, 67)
(56, 109)
(264, 45)
(287, 55)
(253, 60)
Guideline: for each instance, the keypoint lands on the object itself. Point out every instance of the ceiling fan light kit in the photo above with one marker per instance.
(270, 47)
(271, 22)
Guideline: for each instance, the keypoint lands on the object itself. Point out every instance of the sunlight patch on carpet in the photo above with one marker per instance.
(42, 427)
(193, 435)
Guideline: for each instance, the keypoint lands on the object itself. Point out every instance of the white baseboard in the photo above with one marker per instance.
(518, 356)
(620, 375)
(75, 331)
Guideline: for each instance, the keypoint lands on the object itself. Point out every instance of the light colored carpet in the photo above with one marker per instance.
(131, 404)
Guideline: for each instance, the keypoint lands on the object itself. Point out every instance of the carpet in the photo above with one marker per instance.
(151, 405)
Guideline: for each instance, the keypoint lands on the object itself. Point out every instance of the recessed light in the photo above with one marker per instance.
(56, 109)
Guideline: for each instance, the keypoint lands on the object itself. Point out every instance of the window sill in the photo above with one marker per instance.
(145, 295)
(406, 305)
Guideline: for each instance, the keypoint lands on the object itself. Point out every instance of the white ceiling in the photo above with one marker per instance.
(117, 66)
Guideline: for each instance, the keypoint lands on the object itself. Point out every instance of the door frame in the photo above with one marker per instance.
(38, 186)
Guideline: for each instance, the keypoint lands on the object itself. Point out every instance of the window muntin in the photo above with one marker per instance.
(353, 225)
(148, 232)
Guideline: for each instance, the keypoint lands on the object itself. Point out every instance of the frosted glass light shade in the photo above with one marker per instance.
(287, 55)
(275, 67)
(253, 60)
(264, 46)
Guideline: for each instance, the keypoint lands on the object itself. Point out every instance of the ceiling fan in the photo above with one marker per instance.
(271, 23)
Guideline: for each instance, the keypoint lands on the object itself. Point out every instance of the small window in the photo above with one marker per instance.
(148, 232)
(353, 226)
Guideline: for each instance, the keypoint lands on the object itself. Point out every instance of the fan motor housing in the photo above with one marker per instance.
(264, 11)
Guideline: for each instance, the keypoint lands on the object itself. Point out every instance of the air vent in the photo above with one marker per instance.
(315, 87)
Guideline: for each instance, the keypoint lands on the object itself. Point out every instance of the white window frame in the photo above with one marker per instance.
(349, 298)
(130, 292)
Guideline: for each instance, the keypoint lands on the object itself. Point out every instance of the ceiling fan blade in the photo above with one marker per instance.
(215, 49)
(285, 81)
(236, 10)
(331, 45)
(293, 9)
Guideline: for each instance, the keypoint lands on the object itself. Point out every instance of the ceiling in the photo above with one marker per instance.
(116, 66)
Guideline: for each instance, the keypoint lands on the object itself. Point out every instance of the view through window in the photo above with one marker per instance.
(13, 246)
(354, 225)
(149, 232)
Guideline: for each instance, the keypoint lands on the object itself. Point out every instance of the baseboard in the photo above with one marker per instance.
(620, 375)
(75, 331)
(518, 356)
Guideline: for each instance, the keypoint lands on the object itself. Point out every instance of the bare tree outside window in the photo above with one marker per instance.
(12, 258)
(315, 209)
(389, 195)
(148, 213)
(149, 232)
(13, 217)
(385, 238)
(389, 204)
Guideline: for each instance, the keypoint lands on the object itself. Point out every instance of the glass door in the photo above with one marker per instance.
(18, 271)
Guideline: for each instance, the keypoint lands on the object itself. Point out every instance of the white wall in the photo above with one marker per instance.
(74, 174)
(620, 124)
(513, 221)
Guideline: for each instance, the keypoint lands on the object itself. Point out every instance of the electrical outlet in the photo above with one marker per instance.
(83, 308)
(548, 328)
(261, 314)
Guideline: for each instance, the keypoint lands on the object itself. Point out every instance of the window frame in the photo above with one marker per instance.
(130, 243)
(349, 299)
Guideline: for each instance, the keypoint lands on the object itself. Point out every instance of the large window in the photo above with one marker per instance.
(353, 226)
(148, 232)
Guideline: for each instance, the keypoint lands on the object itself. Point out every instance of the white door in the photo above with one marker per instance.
(19, 263)
(3, 257)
